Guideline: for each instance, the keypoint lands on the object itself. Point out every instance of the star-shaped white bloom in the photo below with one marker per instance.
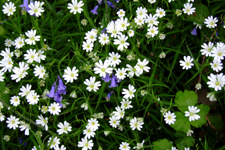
(192, 113)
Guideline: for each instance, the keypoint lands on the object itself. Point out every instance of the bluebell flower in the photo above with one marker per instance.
(107, 78)
(21, 141)
(52, 91)
(113, 82)
(108, 96)
(58, 98)
(24, 6)
(111, 4)
(94, 11)
(61, 87)
(194, 31)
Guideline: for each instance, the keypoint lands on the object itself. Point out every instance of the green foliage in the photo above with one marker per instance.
(162, 144)
(182, 123)
(185, 99)
(183, 142)
(201, 13)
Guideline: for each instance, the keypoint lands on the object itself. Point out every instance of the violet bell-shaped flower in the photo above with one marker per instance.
(52, 91)
(113, 82)
(194, 31)
(24, 6)
(58, 98)
(111, 4)
(107, 78)
(108, 96)
(61, 87)
(94, 11)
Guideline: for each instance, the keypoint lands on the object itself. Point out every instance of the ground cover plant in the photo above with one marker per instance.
(112, 74)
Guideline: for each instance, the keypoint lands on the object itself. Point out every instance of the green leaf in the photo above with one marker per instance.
(182, 123)
(215, 121)
(185, 99)
(2, 31)
(185, 142)
(2, 87)
(201, 12)
(204, 109)
(162, 144)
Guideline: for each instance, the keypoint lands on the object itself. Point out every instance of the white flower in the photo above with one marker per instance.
(44, 109)
(189, 132)
(64, 128)
(9, 8)
(136, 124)
(162, 36)
(24, 126)
(87, 45)
(178, 12)
(211, 22)
(54, 142)
(114, 121)
(85, 106)
(6, 138)
(132, 70)
(111, 28)
(32, 38)
(7, 64)
(19, 42)
(9, 42)
(121, 73)
(141, 12)
(122, 24)
(39, 71)
(102, 68)
(32, 98)
(198, 86)
(169, 118)
(40, 56)
(126, 104)
(1, 106)
(218, 52)
(211, 96)
(30, 56)
(163, 111)
(13, 122)
(88, 132)
(188, 8)
(114, 59)
(206, 49)
(129, 93)
(75, 7)
(151, 1)
(121, 13)
(121, 41)
(93, 124)
(85, 144)
(160, 12)
(162, 55)
(70, 75)
(103, 38)
(139, 21)
(216, 81)
(151, 20)
(142, 66)
(84, 22)
(139, 145)
(119, 113)
(92, 85)
(15, 100)
(54, 108)
(2, 117)
(90, 36)
(21, 72)
(131, 33)
(173, 148)
(6, 53)
(143, 92)
(216, 65)
(36, 8)
(152, 31)
(192, 113)
(25, 90)
(124, 146)
(42, 121)
(187, 63)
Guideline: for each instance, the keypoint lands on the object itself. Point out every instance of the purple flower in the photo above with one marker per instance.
(94, 11)
(21, 141)
(61, 86)
(113, 82)
(52, 91)
(107, 78)
(111, 4)
(194, 31)
(58, 98)
(108, 96)
(24, 6)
